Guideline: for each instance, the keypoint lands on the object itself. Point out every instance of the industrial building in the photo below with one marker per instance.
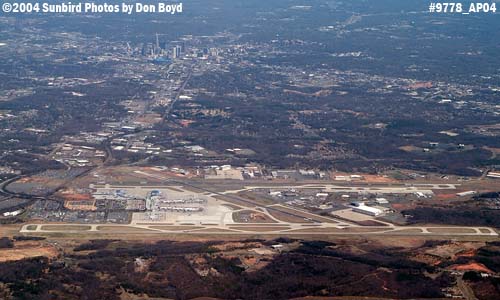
(467, 193)
(381, 201)
(494, 175)
(360, 207)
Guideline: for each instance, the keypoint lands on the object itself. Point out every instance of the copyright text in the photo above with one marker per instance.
(89, 7)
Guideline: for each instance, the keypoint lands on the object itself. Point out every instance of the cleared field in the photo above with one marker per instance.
(65, 227)
(23, 252)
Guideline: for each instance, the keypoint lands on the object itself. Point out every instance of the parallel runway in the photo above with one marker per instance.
(282, 229)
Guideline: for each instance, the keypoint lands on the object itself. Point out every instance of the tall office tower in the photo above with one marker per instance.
(144, 50)
(176, 52)
(129, 49)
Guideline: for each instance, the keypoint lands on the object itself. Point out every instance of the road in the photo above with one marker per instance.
(465, 289)
(181, 89)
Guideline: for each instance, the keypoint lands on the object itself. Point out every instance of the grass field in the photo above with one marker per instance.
(176, 227)
(451, 230)
(65, 227)
(122, 229)
(260, 228)
(338, 230)
(296, 215)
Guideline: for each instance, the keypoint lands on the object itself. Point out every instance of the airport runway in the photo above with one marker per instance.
(282, 229)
